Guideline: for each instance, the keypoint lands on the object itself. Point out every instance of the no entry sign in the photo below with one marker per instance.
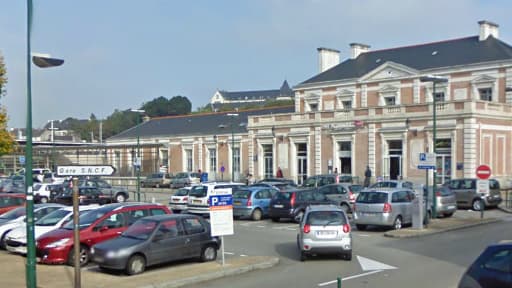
(483, 172)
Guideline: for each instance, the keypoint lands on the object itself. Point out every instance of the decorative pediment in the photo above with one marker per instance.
(388, 90)
(313, 96)
(345, 93)
(389, 70)
(483, 79)
(217, 98)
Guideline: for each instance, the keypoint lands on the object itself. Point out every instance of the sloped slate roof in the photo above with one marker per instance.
(448, 53)
(259, 94)
(200, 124)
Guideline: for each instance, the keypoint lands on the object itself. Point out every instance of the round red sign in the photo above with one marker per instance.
(483, 172)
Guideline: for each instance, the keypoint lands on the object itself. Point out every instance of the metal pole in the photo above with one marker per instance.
(30, 271)
(434, 184)
(137, 166)
(426, 199)
(232, 151)
(76, 233)
(222, 248)
(338, 280)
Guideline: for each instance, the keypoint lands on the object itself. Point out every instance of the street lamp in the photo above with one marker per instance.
(434, 79)
(137, 158)
(232, 115)
(42, 62)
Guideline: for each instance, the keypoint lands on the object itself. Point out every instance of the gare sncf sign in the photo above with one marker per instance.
(86, 170)
(483, 172)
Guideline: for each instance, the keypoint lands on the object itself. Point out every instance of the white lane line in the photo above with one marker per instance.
(229, 253)
(363, 235)
(243, 255)
(261, 226)
(350, 277)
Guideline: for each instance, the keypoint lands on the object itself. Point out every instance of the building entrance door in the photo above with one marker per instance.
(302, 163)
(444, 168)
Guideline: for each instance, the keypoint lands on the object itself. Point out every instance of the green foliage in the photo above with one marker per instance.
(161, 106)
(7, 143)
(3, 76)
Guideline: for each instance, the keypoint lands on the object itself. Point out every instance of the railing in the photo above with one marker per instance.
(506, 195)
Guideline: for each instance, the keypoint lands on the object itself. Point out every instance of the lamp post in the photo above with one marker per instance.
(42, 62)
(232, 115)
(52, 129)
(434, 79)
(137, 158)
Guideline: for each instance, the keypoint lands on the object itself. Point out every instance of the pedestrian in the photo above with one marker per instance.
(367, 176)
(279, 173)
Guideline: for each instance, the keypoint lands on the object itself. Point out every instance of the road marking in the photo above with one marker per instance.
(369, 264)
(229, 253)
(243, 255)
(261, 226)
(363, 235)
(350, 277)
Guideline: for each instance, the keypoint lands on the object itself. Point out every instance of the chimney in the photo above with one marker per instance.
(327, 58)
(356, 49)
(487, 29)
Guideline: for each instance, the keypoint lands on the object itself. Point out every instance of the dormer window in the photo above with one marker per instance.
(485, 94)
(390, 101)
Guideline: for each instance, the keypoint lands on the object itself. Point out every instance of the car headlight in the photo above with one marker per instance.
(117, 253)
(58, 243)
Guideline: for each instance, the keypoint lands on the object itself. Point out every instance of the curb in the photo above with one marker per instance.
(419, 233)
(506, 210)
(224, 272)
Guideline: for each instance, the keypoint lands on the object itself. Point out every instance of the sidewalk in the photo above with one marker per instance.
(444, 224)
(171, 275)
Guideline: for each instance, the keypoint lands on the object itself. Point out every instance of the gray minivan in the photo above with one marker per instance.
(467, 196)
(383, 207)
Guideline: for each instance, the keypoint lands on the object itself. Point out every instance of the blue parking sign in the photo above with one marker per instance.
(22, 160)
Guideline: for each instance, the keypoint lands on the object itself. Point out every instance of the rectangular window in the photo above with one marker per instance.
(236, 160)
(188, 156)
(268, 160)
(313, 106)
(439, 96)
(347, 104)
(213, 159)
(390, 101)
(485, 94)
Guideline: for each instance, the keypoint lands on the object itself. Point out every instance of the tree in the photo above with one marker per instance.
(161, 106)
(7, 142)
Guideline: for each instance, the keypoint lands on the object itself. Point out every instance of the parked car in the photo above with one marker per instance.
(86, 196)
(12, 186)
(446, 204)
(11, 201)
(114, 193)
(467, 196)
(252, 201)
(199, 196)
(277, 180)
(292, 203)
(16, 217)
(51, 177)
(157, 239)
(341, 194)
(492, 269)
(383, 207)
(325, 179)
(184, 179)
(324, 229)
(42, 192)
(98, 225)
(16, 240)
(157, 180)
(393, 184)
(179, 200)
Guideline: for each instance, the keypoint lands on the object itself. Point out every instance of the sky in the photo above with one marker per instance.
(120, 54)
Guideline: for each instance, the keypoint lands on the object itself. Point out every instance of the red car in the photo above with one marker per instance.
(98, 225)
(11, 201)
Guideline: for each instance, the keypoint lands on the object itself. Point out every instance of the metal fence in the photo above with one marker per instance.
(506, 195)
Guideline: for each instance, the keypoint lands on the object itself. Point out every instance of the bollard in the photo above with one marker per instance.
(482, 208)
(339, 282)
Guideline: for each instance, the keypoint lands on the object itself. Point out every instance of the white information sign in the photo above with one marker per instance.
(86, 170)
(427, 161)
(482, 187)
(221, 212)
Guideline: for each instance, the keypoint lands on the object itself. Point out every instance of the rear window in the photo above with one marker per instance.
(198, 191)
(181, 192)
(326, 218)
(242, 194)
(283, 195)
(445, 191)
(356, 188)
(372, 197)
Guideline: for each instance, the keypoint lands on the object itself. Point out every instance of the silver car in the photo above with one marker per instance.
(324, 229)
(446, 204)
(383, 207)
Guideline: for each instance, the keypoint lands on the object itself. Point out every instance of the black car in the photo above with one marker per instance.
(292, 203)
(157, 239)
(492, 269)
(86, 196)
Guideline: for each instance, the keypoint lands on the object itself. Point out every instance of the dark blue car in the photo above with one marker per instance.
(252, 201)
(492, 269)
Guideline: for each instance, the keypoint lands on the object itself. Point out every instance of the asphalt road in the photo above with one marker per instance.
(430, 261)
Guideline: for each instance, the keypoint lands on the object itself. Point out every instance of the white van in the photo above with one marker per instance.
(199, 196)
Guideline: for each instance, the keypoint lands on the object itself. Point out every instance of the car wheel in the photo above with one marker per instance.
(477, 205)
(256, 215)
(136, 265)
(209, 253)
(120, 198)
(2, 240)
(361, 227)
(43, 200)
(275, 219)
(303, 256)
(84, 256)
(397, 225)
(345, 208)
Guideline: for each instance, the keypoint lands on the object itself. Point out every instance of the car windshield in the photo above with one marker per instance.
(242, 194)
(198, 191)
(13, 214)
(141, 229)
(283, 195)
(52, 218)
(372, 197)
(181, 192)
(326, 218)
(85, 220)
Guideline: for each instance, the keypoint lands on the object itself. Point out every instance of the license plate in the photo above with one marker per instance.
(278, 206)
(176, 199)
(197, 201)
(237, 203)
(451, 207)
(326, 233)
